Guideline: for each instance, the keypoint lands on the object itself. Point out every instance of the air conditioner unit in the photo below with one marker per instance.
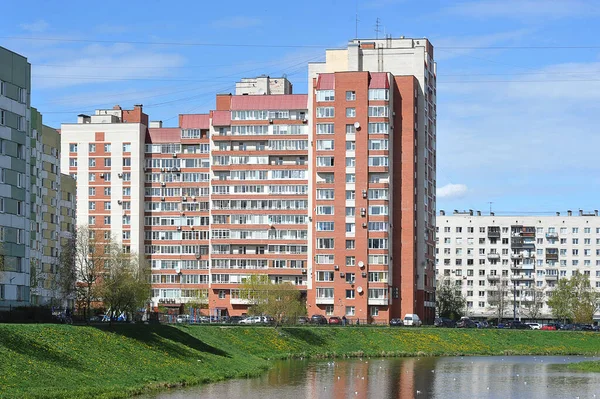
(120, 175)
(178, 228)
(163, 184)
(184, 199)
(304, 271)
(198, 256)
(175, 169)
(342, 275)
(271, 121)
(364, 225)
(174, 155)
(162, 198)
(336, 267)
(364, 274)
(162, 169)
(119, 202)
(101, 174)
(364, 192)
(193, 198)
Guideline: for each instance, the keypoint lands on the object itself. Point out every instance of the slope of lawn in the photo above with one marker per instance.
(62, 361)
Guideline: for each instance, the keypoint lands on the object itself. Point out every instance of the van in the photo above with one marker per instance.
(412, 320)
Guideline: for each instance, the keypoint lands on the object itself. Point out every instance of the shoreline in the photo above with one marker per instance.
(61, 361)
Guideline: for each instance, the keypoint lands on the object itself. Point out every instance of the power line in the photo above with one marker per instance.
(190, 44)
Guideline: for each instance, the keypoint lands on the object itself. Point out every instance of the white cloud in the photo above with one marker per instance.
(443, 46)
(236, 22)
(451, 191)
(525, 9)
(35, 27)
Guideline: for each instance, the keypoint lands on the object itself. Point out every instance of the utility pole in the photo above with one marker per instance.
(377, 27)
(514, 299)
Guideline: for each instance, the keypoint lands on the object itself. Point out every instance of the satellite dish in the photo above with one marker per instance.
(356, 125)
(359, 290)
(361, 264)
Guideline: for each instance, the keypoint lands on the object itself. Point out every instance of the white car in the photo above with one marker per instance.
(412, 320)
(534, 326)
(252, 320)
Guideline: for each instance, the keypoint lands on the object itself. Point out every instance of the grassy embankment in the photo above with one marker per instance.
(39, 361)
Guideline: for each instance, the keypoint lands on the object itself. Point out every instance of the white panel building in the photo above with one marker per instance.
(525, 254)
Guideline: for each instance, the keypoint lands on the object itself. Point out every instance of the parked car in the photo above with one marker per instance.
(335, 320)
(205, 319)
(550, 327)
(235, 319)
(566, 327)
(483, 324)
(252, 320)
(444, 322)
(303, 320)
(534, 326)
(518, 325)
(183, 318)
(466, 323)
(396, 323)
(412, 319)
(318, 319)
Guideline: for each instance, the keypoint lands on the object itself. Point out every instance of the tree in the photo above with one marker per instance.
(125, 286)
(498, 298)
(574, 299)
(90, 247)
(280, 301)
(65, 278)
(533, 302)
(449, 302)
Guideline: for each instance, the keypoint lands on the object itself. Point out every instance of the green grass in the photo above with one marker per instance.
(61, 361)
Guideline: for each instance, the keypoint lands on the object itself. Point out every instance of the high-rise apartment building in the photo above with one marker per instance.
(517, 257)
(33, 216)
(333, 191)
(373, 132)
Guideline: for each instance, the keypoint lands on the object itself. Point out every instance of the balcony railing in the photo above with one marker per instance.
(553, 236)
(324, 301)
(378, 301)
(493, 256)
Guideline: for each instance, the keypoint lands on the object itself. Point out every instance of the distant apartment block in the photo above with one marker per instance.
(333, 191)
(33, 214)
(525, 254)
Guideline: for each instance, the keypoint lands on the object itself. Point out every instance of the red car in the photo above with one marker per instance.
(335, 320)
(549, 327)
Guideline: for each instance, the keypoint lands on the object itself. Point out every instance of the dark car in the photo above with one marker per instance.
(303, 320)
(566, 327)
(318, 319)
(444, 322)
(235, 319)
(466, 323)
(483, 324)
(396, 323)
(518, 325)
(335, 320)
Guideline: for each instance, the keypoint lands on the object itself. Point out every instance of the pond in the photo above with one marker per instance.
(439, 377)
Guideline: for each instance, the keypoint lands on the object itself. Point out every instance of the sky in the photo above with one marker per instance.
(518, 80)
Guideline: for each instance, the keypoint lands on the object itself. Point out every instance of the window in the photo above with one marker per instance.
(91, 220)
(91, 191)
(126, 191)
(72, 147)
(92, 162)
(325, 243)
(378, 111)
(350, 195)
(350, 211)
(325, 128)
(106, 147)
(106, 191)
(325, 226)
(107, 205)
(2, 117)
(324, 210)
(351, 112)
(349, 294)
(325, 161)
(72, 161)
(379, 94)
(379, 128)
(378, 145)
(126, 147)
(350, 244)
(379, 161)
(325, 145)
(350, 311)
(350, 129)
(350, 228)
(325, 112)
(107, 220)
(107, 162)
(350, 162)
(350, 145)
(92, 148)
(350, 95)
(350, 278)
(92, 177)
(325, 95)
(350, 261)
(350, 178)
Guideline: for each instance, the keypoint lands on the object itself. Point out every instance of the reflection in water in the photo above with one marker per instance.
(468, 377)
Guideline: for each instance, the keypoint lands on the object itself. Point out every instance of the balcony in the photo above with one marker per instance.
(493, 233)
(552, 236)
(493, 256)
(240, 301)
(552, 257)
(377, 301)
(548, 277)
(517, 277)
(515, 266)
(324, 301)
(493, 277)
(516, 256)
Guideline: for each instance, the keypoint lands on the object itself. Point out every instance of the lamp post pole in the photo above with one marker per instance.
(514, 300)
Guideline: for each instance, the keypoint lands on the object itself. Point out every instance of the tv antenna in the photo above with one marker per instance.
(356, 22)
(377, 27)
(490, 202)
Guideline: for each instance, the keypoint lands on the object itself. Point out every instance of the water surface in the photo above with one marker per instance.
(441, 377)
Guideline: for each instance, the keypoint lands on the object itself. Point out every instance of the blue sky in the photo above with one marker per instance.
(516, 126)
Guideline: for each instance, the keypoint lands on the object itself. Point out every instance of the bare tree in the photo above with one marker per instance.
(65, 276)
(90, 249)
(499, 299)
(449, 301)
(533, 302)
